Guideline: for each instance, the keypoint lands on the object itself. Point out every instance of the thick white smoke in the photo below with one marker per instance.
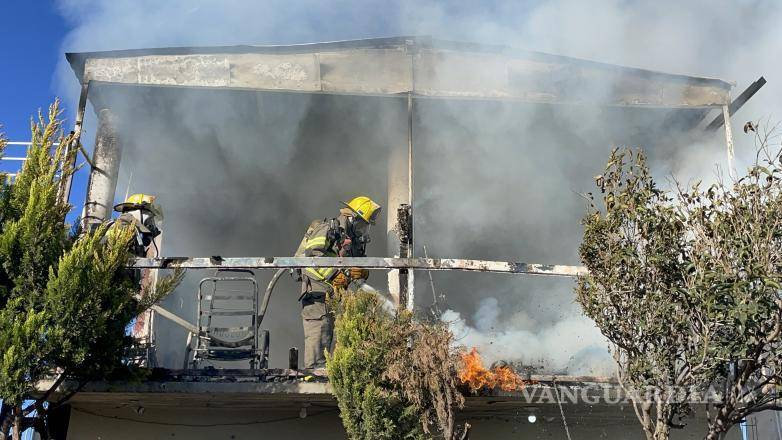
(493, 181)
(571, 345)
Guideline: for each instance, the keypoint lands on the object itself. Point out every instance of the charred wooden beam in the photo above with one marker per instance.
(173, 317)
(737, 103)
(420, 67)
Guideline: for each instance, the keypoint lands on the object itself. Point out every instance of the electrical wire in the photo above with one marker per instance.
(201, 425)
(431, 282)
(561, 410)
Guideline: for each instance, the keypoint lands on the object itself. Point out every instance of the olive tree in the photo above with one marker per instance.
(635, 250)
(685, 284)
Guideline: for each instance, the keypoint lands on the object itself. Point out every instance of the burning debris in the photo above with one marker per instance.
(477, 377)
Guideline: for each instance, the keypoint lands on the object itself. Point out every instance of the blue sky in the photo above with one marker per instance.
(31, 33)
(31, 36)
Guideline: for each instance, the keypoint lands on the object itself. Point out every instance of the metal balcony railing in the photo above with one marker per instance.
(10, 176)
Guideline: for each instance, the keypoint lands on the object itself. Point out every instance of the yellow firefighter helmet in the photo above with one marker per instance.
(135, 202)
(364, 208)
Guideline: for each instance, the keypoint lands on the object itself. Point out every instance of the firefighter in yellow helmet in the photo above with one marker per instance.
(140, 211)
(346, 236)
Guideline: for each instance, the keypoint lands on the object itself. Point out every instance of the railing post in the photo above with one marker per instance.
(72, 149)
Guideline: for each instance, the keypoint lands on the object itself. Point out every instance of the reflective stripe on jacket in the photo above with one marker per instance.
(320, 273)
(316, 244)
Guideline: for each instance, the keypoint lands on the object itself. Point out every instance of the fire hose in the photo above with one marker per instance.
(268, 294)
(355, 285)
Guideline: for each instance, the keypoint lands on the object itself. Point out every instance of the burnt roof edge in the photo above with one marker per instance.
(78, 59)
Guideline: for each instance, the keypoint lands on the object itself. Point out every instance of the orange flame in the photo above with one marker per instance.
(476, 376)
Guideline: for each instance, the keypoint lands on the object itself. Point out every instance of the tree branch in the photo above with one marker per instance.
(68, 396)
(38, 404)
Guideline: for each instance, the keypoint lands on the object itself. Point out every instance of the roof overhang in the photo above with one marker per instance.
(421, 66)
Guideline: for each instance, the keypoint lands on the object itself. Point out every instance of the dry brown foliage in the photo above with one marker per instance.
(426, 373)
(393, 377)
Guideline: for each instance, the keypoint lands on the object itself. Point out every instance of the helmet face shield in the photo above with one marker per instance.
(358, 231)
(360, 228)
(374, 216)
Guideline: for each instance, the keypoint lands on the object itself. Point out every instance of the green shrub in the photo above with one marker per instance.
(393, 378)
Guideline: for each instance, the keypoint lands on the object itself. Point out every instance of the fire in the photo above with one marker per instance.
(476, 376)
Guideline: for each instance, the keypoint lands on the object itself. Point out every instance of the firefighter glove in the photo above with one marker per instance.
(357, 273)
(340, 280)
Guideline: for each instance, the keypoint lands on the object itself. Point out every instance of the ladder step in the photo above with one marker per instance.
(228, 312)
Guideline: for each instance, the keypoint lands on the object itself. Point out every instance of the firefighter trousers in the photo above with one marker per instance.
(318, 324)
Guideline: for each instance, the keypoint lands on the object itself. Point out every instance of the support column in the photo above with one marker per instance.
(399, 225)
(397, 196)
(729, 141)
(406, 224)
(103, 176)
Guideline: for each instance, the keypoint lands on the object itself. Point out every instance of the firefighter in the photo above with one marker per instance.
(141, 211)
(345, 236)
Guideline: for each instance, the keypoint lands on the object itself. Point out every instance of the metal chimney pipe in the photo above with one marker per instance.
(103, 177)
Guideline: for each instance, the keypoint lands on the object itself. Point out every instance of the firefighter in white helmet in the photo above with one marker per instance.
(346, 236)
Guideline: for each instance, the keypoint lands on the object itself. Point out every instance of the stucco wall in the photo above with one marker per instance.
(323, 423)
